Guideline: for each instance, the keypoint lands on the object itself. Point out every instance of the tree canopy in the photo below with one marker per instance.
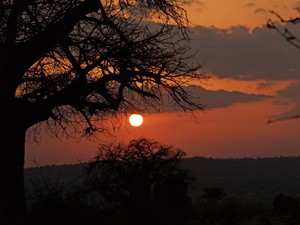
(142, 182)
(75, 63)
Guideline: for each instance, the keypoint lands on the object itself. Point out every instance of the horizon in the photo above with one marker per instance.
(185, 158)
(252, 80)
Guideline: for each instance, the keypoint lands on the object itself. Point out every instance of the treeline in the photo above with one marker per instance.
(256, 179)
(196, 190)
(253, 178)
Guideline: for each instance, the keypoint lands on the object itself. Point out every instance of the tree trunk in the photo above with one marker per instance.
(12, 147)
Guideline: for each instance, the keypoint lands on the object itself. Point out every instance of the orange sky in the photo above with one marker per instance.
(235, 129)
(224, 14)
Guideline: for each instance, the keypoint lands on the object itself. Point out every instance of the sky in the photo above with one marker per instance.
(255, 76)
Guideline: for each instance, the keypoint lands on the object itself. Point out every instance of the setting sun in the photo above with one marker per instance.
(136, 120)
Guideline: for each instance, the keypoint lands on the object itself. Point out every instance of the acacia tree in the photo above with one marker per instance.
(142, 182)
(73, 63)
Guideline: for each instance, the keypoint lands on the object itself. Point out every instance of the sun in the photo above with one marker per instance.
(136, 120)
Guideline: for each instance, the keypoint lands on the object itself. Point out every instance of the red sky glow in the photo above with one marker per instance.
(255, 77)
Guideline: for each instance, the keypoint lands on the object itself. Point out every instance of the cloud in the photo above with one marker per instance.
(260, 55)
(290, 96)
(213, 98)
(222, 98)
(241, 54)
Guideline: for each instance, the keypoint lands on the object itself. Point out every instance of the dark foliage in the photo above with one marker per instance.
(71, 64)
(219, 205)
(142, 183)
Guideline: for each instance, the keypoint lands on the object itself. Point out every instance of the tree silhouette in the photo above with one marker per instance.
(285, 32)
(75, 63)
(213, 194)
(212, 197)
(142, 182)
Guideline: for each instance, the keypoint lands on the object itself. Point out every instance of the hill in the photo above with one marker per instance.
(252, 179)
(258, 179)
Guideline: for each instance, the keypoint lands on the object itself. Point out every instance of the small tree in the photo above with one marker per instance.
(142, 182)
(73, 63)
(211, 210)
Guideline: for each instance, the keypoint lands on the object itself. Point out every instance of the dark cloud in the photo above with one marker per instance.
(238, 53)
(213, 99)
(292, 91)
(290, 96)
(241, 54)
(222, 98)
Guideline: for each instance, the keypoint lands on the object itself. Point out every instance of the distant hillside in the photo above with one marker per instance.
(257, 179)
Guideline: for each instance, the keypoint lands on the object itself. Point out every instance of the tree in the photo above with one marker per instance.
(142, 182)
(72, 64)
(212, 197)
(213, 194)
